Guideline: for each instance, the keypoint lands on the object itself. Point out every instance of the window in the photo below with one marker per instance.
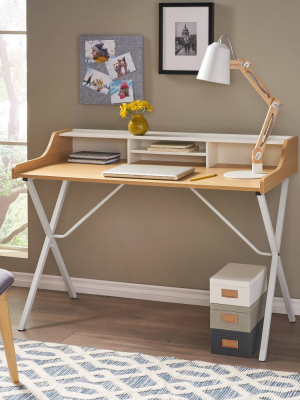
(13, 127)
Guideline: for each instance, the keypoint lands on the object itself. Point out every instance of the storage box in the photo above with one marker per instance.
(239, 344)
(238, 284)
(235, 318)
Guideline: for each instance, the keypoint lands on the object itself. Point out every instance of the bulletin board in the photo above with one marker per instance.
(111, 69)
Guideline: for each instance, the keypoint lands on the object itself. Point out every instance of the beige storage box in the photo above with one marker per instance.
(238, 284)
(235, 318)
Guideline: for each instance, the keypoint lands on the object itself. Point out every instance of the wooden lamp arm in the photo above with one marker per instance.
(245, 67)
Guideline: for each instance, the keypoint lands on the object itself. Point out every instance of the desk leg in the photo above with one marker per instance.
(48, 243)
(276, 266)
(278, 236)
(285, 292)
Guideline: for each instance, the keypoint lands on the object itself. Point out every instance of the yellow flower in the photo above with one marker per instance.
(139, 105)
(123, 113)
(136, 105)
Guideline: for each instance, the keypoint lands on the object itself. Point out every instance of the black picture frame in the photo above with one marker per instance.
(210, 7)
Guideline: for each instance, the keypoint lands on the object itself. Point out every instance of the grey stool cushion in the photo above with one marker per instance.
(6, 280)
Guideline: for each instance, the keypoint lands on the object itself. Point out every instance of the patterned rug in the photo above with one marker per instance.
(57, 372)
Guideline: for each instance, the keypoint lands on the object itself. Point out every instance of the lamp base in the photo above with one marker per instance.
(243, 175)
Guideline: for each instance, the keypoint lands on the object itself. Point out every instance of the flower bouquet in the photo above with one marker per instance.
(138, 124)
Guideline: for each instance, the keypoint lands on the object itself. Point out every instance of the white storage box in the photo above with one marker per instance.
(238, 284)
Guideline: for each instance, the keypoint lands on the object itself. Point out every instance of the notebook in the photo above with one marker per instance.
(94, 155)
(90, 161)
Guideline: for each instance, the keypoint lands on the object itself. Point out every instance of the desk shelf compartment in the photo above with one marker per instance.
(103, 144)
(239, 154)
(138, 151)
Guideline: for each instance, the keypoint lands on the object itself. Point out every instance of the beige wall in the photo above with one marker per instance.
(154, 235)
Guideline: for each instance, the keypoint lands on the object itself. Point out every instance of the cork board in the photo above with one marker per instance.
(111, 69)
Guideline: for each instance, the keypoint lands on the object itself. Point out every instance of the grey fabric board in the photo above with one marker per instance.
(246, 320)
(248, 343)
(6, 280)
(124, 44)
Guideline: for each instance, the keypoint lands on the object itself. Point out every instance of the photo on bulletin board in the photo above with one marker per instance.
(99, 50)
(121, 91)
(120, 66)
(111, 69)
(95, 80)
(185, 31)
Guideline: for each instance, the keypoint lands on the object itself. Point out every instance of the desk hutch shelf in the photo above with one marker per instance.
(218, 153)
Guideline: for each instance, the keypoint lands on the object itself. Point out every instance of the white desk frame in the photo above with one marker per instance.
(274, 241)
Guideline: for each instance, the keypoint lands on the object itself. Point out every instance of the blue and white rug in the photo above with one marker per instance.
(62, 372)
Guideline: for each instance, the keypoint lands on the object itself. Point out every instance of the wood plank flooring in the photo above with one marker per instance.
(148, 327)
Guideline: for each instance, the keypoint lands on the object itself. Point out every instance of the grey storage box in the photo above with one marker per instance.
(235, 318)
(239, 344)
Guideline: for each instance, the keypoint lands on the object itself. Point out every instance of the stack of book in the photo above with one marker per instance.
(93, 157)
(174, 147)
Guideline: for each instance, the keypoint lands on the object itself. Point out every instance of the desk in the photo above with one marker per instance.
(215, 150)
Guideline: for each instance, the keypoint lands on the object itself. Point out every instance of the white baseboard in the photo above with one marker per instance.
(135, 291)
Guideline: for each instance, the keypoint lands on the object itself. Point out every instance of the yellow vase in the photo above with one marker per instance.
(138, 125)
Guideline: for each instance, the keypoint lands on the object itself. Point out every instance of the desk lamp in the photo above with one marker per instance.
(216, 67)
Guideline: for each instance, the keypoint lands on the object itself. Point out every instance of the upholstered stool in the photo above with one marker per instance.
(6, 280)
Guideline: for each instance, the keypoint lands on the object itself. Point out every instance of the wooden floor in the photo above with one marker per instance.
(142, 326)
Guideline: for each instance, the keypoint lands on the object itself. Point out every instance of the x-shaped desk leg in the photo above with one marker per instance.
(276, 266)
(49, 242)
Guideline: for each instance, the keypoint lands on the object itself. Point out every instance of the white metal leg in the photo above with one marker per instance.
(276, 266)
(272, 278)
(285, 292)
(43, 256)
(34, 284)
(48, 231)
(278, 236)
(50, 242)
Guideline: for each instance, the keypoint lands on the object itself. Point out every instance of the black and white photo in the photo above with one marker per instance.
(185, 38)
(185, 31)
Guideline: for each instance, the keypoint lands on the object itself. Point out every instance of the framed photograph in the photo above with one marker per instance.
(185, 31)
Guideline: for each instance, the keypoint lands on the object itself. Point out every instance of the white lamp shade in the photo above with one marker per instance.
(215, 66)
